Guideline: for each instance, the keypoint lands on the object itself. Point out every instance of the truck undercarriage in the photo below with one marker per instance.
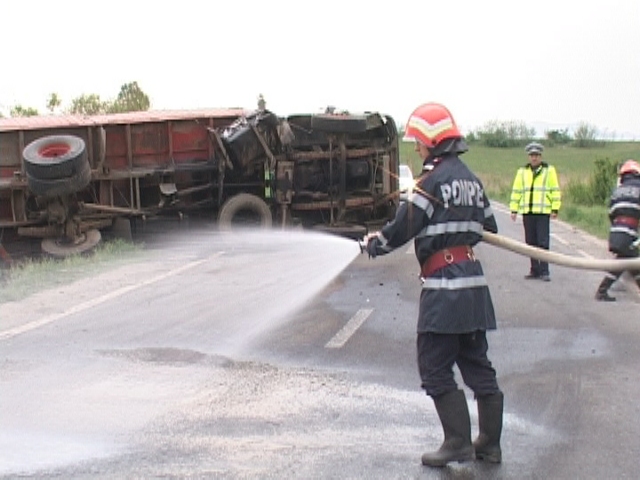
(64, 179)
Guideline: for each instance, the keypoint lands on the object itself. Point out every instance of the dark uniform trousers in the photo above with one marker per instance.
(536, 234)
(438, 352)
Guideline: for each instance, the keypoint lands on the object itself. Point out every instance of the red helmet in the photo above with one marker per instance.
(630, 166)
(430, 124)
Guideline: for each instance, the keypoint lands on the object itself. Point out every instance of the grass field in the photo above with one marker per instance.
(496, 167)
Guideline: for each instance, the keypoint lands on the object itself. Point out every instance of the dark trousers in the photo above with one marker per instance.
(611, 277)
(438, 352)
(536, 234)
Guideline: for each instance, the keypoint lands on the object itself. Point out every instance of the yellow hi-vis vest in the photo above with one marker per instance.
(535, 191)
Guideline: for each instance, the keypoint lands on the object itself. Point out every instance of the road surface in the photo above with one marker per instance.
(292, 356)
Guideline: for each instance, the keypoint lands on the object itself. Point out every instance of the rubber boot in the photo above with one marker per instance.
(454, 416)
(487, 445)
(602, 294)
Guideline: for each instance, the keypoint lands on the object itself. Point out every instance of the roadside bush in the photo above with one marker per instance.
(505, 134)
(470, 137)
(558, 137)
(598, 188)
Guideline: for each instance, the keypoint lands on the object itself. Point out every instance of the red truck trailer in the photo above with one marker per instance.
(64, 179)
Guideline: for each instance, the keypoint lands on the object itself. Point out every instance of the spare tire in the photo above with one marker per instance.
(60, 186)
(338, 123)
(55, 157)
(244, 210)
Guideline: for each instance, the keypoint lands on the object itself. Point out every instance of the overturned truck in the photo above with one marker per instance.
(64, 179)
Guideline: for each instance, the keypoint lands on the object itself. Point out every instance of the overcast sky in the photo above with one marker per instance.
(555, 63)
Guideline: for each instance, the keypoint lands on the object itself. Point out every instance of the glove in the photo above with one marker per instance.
(372, 246)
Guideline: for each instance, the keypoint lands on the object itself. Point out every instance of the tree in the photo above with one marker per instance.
(88, 105)
(53, 102)
(20, 111)
(505, 134)
(585, 135)
(130, 99)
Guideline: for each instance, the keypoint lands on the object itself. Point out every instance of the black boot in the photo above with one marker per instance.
(602, 294)
(487, 445)
(454, 416)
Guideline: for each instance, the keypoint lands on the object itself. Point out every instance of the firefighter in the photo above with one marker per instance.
(445, 214)
(536, 195)
(624, 215)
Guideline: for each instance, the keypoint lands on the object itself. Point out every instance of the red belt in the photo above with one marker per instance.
(628, 221)
(446, 256)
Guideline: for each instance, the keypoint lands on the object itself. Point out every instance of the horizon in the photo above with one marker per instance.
(543, 62)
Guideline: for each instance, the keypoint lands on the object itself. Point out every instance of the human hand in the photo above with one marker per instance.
(554, 215)
(373, 242)
(513, 216)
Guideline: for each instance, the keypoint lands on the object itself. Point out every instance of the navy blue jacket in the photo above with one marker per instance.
(624, 204)
(448, 207)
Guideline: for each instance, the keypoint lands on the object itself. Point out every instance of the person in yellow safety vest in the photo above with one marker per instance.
(536, 196)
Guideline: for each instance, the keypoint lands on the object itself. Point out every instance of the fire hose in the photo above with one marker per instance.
(610, 265)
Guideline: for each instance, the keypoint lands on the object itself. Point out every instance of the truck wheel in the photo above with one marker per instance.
(65, 247)
(244, 210)
(55, 157)
(345, 123)
(60, 186)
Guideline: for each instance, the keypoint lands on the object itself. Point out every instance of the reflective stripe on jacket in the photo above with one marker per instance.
(535, 191)
(624, 203)
(448, 207)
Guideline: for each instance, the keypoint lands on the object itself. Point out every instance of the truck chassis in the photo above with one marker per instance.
(64, 179)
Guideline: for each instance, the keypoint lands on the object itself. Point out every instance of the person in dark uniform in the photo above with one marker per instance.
(624, 214)
(446, 214)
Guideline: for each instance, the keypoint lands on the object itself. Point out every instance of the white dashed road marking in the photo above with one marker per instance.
(340, 338)
(560, 239)
(97, 301)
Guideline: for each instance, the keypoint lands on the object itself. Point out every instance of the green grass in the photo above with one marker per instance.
(29, 276)
(496, 167)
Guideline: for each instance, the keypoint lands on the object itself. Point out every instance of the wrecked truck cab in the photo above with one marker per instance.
(242, 137)
(333, 171)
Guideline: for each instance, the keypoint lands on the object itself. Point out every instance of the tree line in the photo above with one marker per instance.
(497, 134)
(131, 98)
(501, 134)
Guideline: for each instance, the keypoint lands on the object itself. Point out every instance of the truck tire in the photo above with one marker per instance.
(60, 186)
(345, 123)
(63, 247)
(244, 210)
(55, 157)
